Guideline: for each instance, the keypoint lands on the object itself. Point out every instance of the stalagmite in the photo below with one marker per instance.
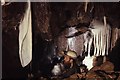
(25, 38)
(88, 61)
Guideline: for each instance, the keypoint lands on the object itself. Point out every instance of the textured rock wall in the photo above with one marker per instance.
(49, 23)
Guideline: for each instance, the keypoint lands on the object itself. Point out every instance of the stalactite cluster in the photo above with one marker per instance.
(99, 35)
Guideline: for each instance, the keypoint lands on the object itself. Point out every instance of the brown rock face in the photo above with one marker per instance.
(101, 72)
(107, 66)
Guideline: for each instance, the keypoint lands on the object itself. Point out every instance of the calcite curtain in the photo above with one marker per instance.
(25, 38)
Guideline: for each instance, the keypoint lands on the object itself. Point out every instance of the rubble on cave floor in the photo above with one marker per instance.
(103, 72)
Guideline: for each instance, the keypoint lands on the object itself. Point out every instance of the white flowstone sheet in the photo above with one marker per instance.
(25, 38)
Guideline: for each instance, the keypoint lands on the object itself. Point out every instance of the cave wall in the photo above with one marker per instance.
(49, 21)
(11, 66)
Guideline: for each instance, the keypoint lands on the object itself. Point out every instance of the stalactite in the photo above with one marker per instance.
(114, 37)
(86, 41)
(89, 45)
(100, 37)
(2, 2)
(86, 5)
(71, 41)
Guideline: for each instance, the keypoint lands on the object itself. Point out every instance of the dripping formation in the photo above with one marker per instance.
(99, 37)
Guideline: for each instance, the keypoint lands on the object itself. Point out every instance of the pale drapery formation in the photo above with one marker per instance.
(100, 37)
(71, 41)
(25, 38)
(114, 36)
